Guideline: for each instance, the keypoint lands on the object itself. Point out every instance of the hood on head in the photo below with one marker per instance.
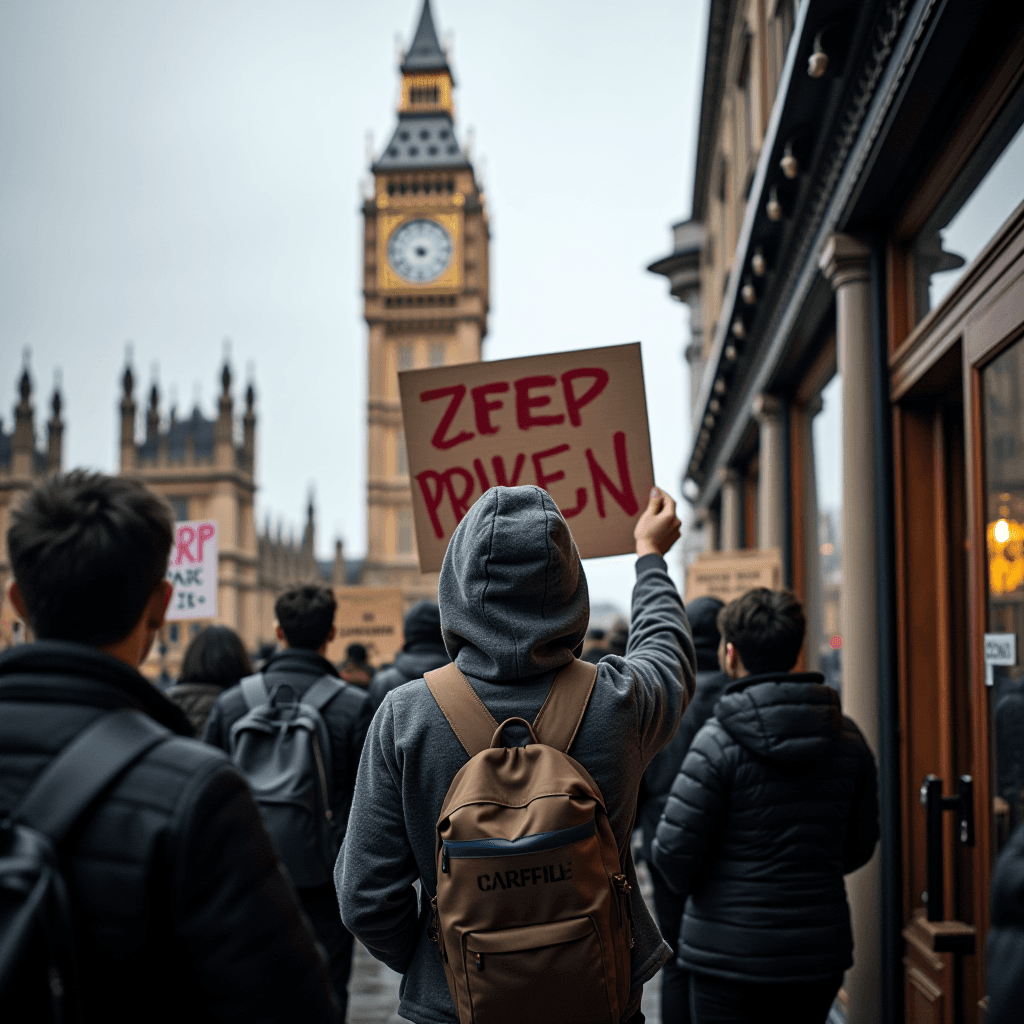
(423, 624)
(513, 594)
(787, 718)
(703, 615)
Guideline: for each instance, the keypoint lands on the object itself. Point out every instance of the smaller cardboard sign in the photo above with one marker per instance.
(193, 571)
(371, 616)
(730, 574)
(574, 423)
(1000, 649)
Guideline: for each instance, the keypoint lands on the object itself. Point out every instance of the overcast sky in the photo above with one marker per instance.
(175, 173)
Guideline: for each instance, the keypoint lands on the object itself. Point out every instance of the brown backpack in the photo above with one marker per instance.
(532, 913)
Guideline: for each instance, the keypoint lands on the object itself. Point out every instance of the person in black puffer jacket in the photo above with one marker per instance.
(661, 773)
(423, 651)
(776, 801)
(181, 907)
(1006, 935)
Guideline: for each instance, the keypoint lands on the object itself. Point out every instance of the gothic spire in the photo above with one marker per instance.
(425, 53)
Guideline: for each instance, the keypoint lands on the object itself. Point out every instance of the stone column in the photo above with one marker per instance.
(730, 527)
(846, 264)
(810, 540)
(771, 506)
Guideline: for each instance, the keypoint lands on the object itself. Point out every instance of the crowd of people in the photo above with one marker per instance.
(208, 853)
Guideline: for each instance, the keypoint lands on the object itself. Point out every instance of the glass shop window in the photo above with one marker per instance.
(824, 644)
(1003, 413)
(989, 190)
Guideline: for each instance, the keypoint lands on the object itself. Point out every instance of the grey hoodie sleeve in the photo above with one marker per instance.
(376, 869)
(660, 656)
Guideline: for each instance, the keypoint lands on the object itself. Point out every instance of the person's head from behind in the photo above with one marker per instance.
(216, 655)
(703, 615)
(762, 632)
(355, 654)
(422, 625)
(90, 554)
(305, 617)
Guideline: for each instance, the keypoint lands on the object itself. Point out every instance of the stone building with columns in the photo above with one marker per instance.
(23, 465)
(854, 268)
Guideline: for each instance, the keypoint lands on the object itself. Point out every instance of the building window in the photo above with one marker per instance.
(179, 503)
(405, 531)
(401, 457)
(437, 354)
(405, 356)
(744, 112)
(173, 632)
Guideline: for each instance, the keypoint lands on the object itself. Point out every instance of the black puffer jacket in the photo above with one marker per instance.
(183, 909)
(424, 650)
(1006, 936)
(196, 700)
(347, 717)
(776, 801)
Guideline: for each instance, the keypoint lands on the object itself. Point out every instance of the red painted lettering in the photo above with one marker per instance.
(483, 409)
(460, 502)
(457, 393)
(525, 402)
(433, 487)
(186, 537)
(432, 499)
(581, 504)
(574, 404)
(624, 496)
(543, 479)
(499, 470)
(206, 532)
(481, 475)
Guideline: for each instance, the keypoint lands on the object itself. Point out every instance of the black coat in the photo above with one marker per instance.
(347, 717)
(776, 801)
(183, 909)
(410, 663)
(662, 771)
(1006, 935)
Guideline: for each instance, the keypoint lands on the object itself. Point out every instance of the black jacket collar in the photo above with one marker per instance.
(774, 677)
(298, 659)
(58, 671)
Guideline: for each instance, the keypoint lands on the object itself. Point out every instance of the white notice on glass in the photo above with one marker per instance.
(193, 571)
(1000, 649)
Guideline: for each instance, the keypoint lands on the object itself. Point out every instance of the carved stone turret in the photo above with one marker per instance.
(128, 420)
(23, 443)
(55, 433)
(249, 429)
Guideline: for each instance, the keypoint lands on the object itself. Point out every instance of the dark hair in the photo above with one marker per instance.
(216, 655)
(88, 551)
(356, 653)
(766, 627)
(305, 615)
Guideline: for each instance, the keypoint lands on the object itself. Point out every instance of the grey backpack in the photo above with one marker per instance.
(282, 747)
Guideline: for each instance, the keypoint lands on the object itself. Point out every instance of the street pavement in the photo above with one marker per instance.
(373, 990)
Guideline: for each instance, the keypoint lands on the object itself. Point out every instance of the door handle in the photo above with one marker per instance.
(934, 804)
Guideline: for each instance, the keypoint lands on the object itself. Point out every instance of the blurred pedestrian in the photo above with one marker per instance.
(356, 667)
(181, 909)
(423, 650)
(657, 781)
(776, 800)
(213, 661)
(514, 608)
(1006, 935)
(305, 626)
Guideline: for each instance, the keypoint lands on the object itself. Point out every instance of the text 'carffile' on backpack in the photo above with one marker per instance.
(532, 914)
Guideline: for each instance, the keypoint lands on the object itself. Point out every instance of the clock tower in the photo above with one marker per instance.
(425, 290)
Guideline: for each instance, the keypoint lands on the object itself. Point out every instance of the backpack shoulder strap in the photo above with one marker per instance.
(325, 689)
(470, 720)
(560, 715)
(254, 690)
(84, 768)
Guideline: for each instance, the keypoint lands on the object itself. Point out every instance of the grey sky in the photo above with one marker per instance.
(175, 173)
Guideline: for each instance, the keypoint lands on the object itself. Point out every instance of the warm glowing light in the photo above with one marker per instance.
(827, 548)
(1001, 531)
(835, 642)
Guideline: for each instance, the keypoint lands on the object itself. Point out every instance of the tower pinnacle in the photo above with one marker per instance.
(425, 53)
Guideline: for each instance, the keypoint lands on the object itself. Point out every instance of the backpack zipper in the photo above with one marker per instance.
(539, 842)
(328, 813)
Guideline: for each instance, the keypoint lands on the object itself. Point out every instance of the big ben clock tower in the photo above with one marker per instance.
(425, 287)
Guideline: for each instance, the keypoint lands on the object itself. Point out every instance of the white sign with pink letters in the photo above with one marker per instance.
(193, 571)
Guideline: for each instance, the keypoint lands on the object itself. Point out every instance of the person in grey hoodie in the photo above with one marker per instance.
(514, 609)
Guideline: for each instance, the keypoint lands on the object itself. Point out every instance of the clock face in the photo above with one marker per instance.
(420, 250)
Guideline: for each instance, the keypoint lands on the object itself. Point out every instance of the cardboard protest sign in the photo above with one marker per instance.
(574, 423)
(193, 571)
(730, 574)
(371, 616)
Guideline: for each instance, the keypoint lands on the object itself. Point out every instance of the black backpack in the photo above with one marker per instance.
(282, 747)
(38, 979)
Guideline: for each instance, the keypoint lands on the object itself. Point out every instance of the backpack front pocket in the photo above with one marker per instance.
(552, 972)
